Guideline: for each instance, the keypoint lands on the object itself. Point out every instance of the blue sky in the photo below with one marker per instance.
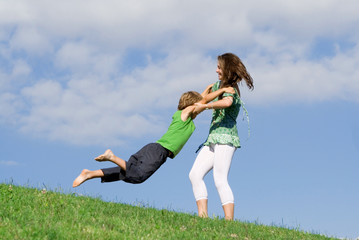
(77, 77)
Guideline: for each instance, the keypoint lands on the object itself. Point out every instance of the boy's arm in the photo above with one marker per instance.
(207, 90)
(188, 112)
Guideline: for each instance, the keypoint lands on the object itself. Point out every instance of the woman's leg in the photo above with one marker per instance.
(86, 175)
(202, 207)
(201, 166)
(228, 211)
(222, 163)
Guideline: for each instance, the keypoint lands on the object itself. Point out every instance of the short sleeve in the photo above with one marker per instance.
(228, 95)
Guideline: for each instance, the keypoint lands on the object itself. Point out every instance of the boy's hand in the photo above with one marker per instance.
(208, 90)
(192, 111)
(199, 107)
(210, 86)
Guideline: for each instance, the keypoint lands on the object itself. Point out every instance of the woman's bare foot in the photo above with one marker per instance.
(81, 178)
(107, 156)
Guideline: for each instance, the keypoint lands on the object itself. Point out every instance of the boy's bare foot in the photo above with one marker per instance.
(81, 178)
(107, 156)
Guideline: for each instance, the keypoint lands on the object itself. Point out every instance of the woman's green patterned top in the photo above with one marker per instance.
(223, 128)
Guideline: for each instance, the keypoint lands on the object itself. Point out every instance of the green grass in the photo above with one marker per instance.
(29, 213)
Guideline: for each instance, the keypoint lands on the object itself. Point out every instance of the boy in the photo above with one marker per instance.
(149, 159)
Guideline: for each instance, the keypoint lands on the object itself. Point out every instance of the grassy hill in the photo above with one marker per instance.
(28, 213)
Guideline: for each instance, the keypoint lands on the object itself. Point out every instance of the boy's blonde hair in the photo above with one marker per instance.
(188, 99)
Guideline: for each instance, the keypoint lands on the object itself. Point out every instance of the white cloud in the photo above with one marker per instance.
(21, 68)
(74, 79)
(289, 79)
(31, 40)
(9, 163)
(80, 58)
(10, 107)
(93, 110)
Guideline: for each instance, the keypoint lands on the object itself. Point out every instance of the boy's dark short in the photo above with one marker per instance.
(140, 166)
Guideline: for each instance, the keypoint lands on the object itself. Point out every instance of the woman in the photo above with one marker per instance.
(223, 137)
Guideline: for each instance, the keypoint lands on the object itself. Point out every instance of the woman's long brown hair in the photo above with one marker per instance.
(234, 71)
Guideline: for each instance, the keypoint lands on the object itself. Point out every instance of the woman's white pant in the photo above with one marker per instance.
(217, 157)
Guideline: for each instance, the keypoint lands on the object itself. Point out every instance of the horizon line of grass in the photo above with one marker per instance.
(32, 213)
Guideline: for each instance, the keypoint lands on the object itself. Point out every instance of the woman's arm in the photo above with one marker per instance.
(193, 110)
(211, 96)
(223, 103)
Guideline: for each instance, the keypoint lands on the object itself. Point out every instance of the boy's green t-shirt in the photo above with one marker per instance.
(177, 134)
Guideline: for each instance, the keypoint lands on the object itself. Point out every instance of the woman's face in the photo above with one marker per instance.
(219, 71)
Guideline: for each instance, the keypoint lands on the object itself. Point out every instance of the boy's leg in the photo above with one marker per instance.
(86, 175)
(138, 168)
(109, 156)
(113, 174)
(145, 162)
